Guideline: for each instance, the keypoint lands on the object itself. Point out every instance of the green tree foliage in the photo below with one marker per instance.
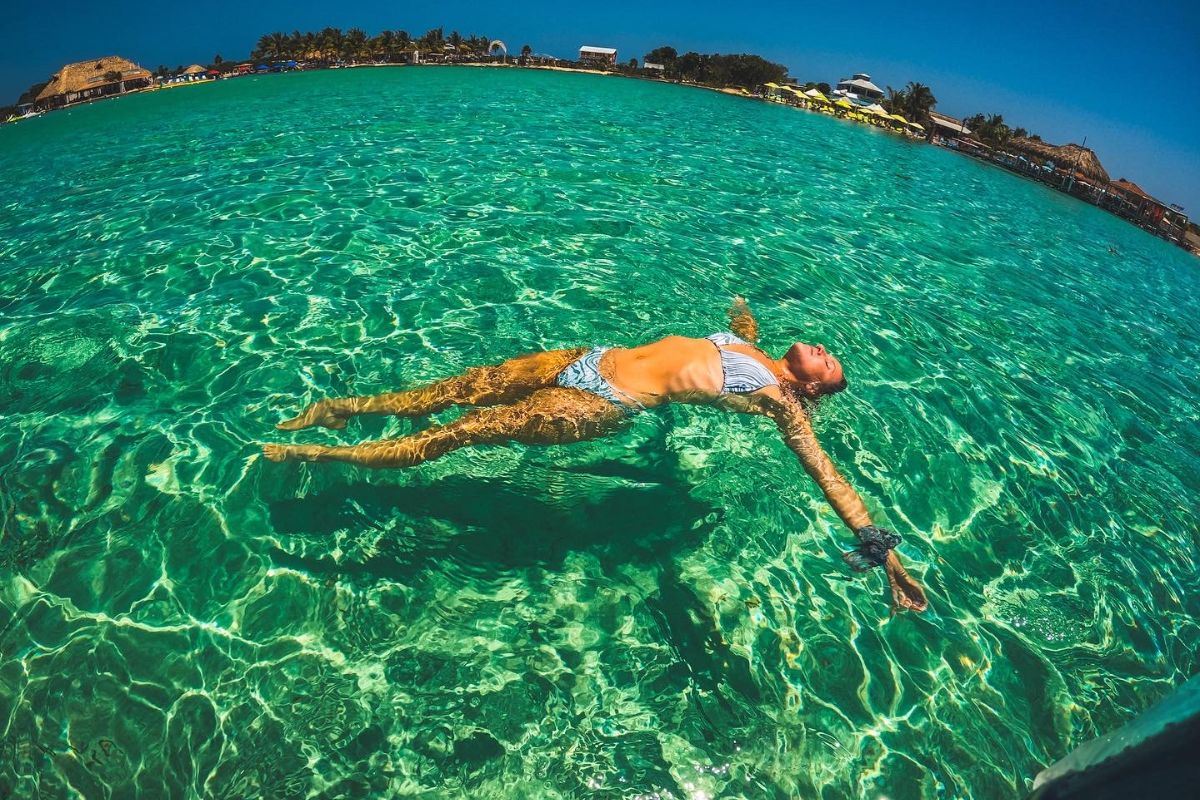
(661, 55)
(913, 102)
(357, 45)
(725, 70)
(990, 129)
(432, 41)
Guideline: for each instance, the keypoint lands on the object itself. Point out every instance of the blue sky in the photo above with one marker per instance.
(1122, 74)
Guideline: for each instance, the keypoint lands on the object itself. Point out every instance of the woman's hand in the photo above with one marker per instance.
(907, 594)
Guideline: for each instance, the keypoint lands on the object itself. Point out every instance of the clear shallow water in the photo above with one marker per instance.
(658, 614)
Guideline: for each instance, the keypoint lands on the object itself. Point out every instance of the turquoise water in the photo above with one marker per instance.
(661, 614)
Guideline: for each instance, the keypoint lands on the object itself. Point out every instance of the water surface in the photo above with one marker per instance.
(661, 614)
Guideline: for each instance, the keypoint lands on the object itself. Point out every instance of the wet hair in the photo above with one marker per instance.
(811, 404)
(833, 387)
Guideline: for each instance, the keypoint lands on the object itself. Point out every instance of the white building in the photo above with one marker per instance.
(653, 66)
(602, 56)
(859, 89)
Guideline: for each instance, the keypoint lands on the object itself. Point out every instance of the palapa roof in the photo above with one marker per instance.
(85, 75)
(1129, 187)
(1074, 156)
(194, 69)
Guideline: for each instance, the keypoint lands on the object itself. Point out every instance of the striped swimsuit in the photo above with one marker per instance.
(740, 374)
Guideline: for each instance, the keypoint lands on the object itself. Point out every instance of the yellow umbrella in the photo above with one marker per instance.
(898, 118)
(771, 85)
(844, 103)
(916, 125)
(816, 95)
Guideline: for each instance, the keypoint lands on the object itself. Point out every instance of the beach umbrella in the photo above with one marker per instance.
(843, 103)
(815, 94)
(916, 125)
(771, 85)
(898, 118)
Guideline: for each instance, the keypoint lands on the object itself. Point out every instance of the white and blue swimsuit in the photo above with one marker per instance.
(741, 374)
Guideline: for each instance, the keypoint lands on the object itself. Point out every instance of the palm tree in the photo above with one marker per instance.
(383, 45)
(896, 102)
(263, 48)
(279, 45)
(455, 40)
(331, 43)
(356, 43)
(990, 129)
(432, 40)
(918, 102)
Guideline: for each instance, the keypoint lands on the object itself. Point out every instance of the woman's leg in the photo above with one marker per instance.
(548, 416)
(478, 386)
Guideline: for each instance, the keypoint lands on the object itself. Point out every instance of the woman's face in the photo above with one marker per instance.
(812, 364)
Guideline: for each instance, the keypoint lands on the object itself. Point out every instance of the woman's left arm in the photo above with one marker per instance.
(875, 544)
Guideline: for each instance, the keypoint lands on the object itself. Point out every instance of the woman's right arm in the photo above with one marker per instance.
(741, 322)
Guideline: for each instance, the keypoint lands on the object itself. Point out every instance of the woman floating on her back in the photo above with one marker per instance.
(562, 396)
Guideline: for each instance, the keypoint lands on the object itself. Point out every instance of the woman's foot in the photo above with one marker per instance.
(320, 413)
(292, 452)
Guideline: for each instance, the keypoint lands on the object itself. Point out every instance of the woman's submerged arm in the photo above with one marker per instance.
(875, 544)
(741, 322)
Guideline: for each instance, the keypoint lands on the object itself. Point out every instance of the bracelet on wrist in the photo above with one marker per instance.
(872, 551)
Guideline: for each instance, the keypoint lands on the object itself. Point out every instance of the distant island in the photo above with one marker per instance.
(1070, 168)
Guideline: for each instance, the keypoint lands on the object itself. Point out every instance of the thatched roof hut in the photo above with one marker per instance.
(88, 78)
(1068, 156)
(194, 69)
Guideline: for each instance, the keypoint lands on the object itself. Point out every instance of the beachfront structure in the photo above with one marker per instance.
(859, 89)
(653, 66)
(598, 56)
(1127, 199)
(948, 126)
(87, 80)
